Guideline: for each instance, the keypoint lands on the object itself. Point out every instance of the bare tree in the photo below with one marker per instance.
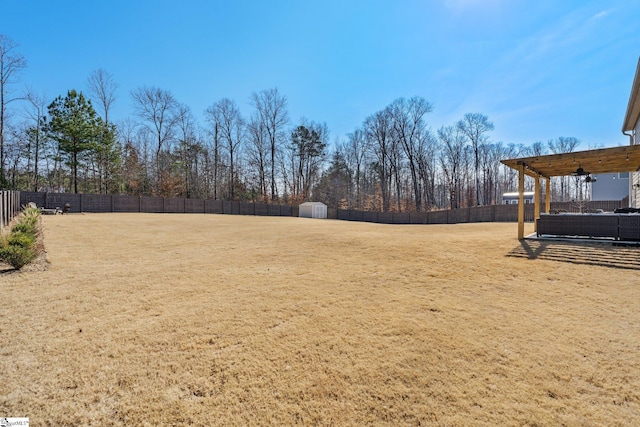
(558, 146)
(475, 126)
(11, 63)
(409, 129)
(231, 128)
(36, 114)
(452, 142)
(378, 128)
(258, 152)
(271, 107)
(103, 88)
(356, 150)
(215, 134)
(157, 108)
(188, 148)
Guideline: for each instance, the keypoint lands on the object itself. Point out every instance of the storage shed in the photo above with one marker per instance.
(312, 210)
(512, 198)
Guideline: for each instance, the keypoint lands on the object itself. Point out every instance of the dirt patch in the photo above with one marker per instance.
(235, 320)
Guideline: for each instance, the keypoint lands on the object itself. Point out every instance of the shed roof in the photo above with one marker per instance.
(633, 107)
(603, 160)
(313, 203)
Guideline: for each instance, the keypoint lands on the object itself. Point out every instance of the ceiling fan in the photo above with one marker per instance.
(580, 171)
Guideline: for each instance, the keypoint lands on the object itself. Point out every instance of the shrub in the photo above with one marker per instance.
(31, 212)
(17, 256)
(26, 227)
(21, 239)
(19, 247)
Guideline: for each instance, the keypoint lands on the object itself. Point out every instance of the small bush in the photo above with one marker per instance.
(31, 212)
(21, 239)
(27, 227)
(19, 247)
(17, 256)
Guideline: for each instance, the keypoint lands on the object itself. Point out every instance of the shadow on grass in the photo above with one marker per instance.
(602, 254)
(5, 269)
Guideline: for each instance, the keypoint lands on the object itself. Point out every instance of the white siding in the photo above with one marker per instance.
(634, 201)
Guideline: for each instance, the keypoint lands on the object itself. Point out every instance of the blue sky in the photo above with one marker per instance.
(539, 69)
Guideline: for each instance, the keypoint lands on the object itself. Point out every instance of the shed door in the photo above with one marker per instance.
(318, 211)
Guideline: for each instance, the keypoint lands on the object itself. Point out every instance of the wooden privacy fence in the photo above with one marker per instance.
(119, 203)
(9, 206)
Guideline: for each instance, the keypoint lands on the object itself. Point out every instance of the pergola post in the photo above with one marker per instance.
(520, 201)
(547, 196)
(536, 204)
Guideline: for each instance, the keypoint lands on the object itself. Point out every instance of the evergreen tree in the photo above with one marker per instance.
(76, 127)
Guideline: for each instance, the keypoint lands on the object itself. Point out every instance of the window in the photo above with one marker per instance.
(623, 175)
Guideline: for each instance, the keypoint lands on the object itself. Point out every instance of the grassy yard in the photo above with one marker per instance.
(152, 319)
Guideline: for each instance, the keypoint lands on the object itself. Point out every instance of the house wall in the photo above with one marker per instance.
(610, 186)
(634, 191)
(512, 198)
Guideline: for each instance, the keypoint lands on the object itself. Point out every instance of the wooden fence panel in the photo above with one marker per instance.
(506, 213)
(59, 200)
(262, 209)
(356, 215)
(385, 217)
(193, 206)
(401, 218)
(274, 210)
(97, 203)
(370, 216)
(230, 208)
(418, 218)
(482, 214)
(174, 205)
(126, 203)
(343, 214)
(151, 204)
(285, 210)
(26, 197)
(586, 207)
(438, 217)
(247, 208)
(457, 216)
(213, 206)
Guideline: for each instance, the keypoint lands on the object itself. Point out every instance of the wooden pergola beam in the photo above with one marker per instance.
(604, 160)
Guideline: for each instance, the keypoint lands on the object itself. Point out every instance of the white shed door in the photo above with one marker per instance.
(318, 211)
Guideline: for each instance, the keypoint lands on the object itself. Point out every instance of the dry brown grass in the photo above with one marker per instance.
(146, 319)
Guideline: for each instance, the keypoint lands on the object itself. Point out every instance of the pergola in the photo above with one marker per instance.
(604, 160)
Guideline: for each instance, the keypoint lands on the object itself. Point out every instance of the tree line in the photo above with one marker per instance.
(392, 161)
